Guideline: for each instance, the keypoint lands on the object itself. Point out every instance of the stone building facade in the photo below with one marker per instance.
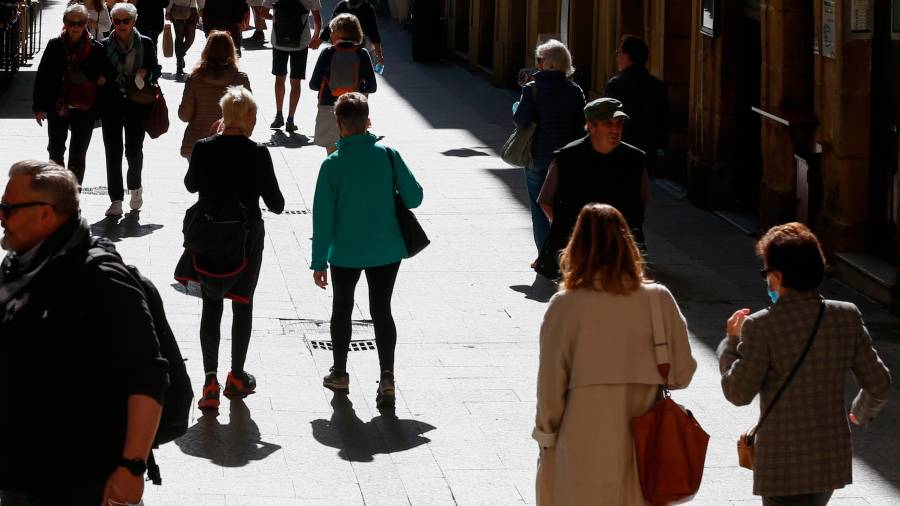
(780, 109)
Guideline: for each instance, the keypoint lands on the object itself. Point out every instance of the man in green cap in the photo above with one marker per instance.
(596, 168)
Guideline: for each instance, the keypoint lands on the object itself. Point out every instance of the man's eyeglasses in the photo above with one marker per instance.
(121, 21)
(7, 209)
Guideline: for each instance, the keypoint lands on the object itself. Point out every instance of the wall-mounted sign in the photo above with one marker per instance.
(709, 17)
(860, 21)
(828, 28)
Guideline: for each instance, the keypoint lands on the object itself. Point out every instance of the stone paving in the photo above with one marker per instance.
(468, 311)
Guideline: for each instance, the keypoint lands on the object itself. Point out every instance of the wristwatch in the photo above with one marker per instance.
(137, 467)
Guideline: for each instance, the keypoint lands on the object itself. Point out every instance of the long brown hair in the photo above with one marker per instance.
(218, 55)
(601, 254)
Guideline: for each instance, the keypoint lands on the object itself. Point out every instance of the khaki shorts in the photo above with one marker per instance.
(327, 133)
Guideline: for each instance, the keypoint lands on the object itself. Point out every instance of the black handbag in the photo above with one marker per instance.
(217, 229)
(413, 234)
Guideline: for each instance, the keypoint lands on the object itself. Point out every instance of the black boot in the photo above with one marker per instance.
(179, 66)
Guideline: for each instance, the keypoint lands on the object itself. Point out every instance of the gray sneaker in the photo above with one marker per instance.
(385, 398)
(338, 381)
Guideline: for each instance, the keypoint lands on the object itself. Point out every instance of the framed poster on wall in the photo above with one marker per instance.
(709, 18)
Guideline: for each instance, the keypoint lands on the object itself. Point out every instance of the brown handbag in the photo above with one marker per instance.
(669, 444)
(156, 121)
(746, 440)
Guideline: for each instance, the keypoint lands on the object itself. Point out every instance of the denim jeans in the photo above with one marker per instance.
(534, 180)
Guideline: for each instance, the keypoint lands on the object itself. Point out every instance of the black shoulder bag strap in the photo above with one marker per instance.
(794, 370)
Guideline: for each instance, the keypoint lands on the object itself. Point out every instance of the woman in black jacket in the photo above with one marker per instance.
(131, 68)
(230, 171)
(65, 89)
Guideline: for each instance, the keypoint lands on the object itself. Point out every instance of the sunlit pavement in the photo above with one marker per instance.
(468, 310)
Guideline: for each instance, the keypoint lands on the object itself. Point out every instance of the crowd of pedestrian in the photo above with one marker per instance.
(588, 186)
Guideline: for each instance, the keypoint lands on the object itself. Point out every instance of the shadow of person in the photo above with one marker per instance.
(234, 444)
(541, 289)
(359, 441)
(290, 141)
(114, 229)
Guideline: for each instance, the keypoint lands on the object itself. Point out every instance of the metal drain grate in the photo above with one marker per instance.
(93, 190)
(317, 334)
(289, 211)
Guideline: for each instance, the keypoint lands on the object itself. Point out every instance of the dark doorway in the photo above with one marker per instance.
(883, 177)
(461, 27)
(748, 158)
(581, 41)
(486, 34)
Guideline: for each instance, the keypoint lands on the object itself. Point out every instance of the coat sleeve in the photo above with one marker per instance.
(554, 366)
(683, 363)
(193, 177)
(270, 191)
(872, 375)
(187, 108)
(524, 114)
(409, 189)
(367, 73)
(744, 366)
(324, 211)
(318, 74)
(47, 78)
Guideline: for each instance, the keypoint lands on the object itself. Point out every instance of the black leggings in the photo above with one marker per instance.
(381, 287)
(210, 333)
(82, 125)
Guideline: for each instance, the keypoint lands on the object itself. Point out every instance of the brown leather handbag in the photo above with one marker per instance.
(669, 444)
(746, 440)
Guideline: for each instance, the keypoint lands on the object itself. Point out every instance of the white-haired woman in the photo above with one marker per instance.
(65, 89)
(556, 104)
(227, 168)
(131, 68)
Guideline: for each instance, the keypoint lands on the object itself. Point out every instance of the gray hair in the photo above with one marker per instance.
(75, 9)
(237, 104)
(125, 7)
(56, 183)
(555, 56)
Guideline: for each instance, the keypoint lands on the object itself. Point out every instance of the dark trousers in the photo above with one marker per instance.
(381, 287)
(185, 30)
(820, 499)
(81, 123)
(210, 333)
(127, 118)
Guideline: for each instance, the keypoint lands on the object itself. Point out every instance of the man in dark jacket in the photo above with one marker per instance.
(644, 98)
(598, 168)
(78, 353)
(151, 18)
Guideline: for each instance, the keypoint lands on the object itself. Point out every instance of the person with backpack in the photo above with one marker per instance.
(66, 318)
(227, 16)
(342, 68)
(365, 13)
(291, 41)
(231, 173)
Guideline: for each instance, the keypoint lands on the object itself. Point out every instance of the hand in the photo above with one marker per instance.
(40, 117)
(101, 81)
(736, 322)
(142, 73)
(321, 279)
(122, 486)
(379, 58)
(853, 419)
(315, 42)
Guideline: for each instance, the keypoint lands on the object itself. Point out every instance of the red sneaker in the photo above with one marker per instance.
(210, 397)
(239, 384)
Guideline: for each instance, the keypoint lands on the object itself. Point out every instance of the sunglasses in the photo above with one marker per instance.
(74, 23)
(121, 21)
(7, 209)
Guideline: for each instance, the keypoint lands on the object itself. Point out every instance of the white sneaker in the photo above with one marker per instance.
(137, 199)
(115, 209)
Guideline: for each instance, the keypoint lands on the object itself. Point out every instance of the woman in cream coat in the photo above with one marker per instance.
(598, 366)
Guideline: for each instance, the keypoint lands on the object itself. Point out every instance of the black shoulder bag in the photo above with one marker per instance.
(747, 439)
(413, 234)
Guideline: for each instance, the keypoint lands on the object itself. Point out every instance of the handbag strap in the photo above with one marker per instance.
(393, 168)
(794, 370)
(660, 341)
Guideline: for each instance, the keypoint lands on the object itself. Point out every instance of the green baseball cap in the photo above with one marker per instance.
(604, 109)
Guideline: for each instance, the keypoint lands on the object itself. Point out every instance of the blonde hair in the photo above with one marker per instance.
(347, 27)
(237, 104)
(602, 254)
(555, 56)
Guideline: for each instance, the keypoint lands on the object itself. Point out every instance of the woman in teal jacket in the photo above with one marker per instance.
(355, 229)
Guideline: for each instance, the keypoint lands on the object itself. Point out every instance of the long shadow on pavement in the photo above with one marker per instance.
(115, 229)
(234, 444)
(359, 441)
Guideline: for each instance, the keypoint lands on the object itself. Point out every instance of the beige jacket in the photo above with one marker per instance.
(200, 104)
